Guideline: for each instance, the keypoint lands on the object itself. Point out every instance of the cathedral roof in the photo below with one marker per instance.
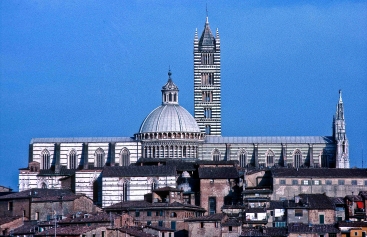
(169, 118)
(269, 140)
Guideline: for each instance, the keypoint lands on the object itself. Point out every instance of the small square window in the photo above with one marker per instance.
(149, 213)
(137, 214)
(295, 182)
(282, 182)
(354, 182)
(305, 182)
(365, 183)
(329, 182)
(298, 212)
(316, 182)
(341, 182)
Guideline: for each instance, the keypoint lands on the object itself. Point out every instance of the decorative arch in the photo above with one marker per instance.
(99, 157)
(269, 158)
(297, 158)
(216, 155)
(125, 157)
(73, 159)
(242, 155)
(45, 159)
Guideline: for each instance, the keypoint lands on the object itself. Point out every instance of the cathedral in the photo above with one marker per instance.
(112, 169)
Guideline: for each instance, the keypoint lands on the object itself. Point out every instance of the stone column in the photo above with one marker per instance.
(310, 151)
(256, 155)
(85, 155)
(57, 158)
(111, 151)
(228, 151)
(284, 153)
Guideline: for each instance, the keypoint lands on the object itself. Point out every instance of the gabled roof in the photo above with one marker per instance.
(100, 217)
(354, 198)
(312, 201)
(136, 205)
(72, 230)
(218, 173)
(319, 173)
(138, 171)
(303, 228)
(352, 224)
(277, 205)
(210, 218)
(37, 193)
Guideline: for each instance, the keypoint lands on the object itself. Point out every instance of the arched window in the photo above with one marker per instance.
(45, 159)
(125, 157)
(73, 161)
(44, 185)
(99, 157)
(242, 156)
(216, 155)
(297, 158)
(270, 158)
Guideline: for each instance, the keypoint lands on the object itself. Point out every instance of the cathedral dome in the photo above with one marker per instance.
(169, 118)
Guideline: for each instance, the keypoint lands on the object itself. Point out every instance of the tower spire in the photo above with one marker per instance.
(340, 137)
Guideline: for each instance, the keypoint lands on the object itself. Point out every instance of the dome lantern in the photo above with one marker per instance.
(169, 91)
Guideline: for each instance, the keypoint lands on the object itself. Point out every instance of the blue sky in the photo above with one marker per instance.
(95, 68)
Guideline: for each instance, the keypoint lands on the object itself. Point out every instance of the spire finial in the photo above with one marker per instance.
(206, 9)
(169, 72)
(340, 96)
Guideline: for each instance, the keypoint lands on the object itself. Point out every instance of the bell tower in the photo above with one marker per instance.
(340, 137)
(207, 81)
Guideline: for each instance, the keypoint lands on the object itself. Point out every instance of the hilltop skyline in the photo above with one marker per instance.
(72, 69)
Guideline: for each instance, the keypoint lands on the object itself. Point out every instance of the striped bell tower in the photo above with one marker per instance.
(207, 85)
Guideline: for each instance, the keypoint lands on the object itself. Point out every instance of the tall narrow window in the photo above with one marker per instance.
(125, 157)
(207, 113)
(270, 158)
(212, 205)
(242, 158)
(72, 160)
(297, 158)
(99, 155)
(207, 129)
(216, 155)
(45, 156)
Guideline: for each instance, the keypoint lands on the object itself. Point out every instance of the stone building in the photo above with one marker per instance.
(288, 183)
(45, 204)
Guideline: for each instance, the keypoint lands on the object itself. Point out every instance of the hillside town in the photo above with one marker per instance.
(179, 177)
